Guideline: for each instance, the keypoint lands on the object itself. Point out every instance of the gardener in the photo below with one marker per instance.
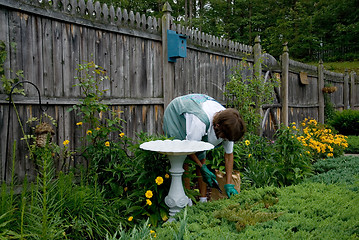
(199, 117)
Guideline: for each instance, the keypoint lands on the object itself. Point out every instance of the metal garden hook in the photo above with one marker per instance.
(8, 118)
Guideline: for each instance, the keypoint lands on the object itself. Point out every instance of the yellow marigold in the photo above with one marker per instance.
(130, 218)
(149, 194)
(330, 155)
(107, 144)
(249, 155)
(97, 129)
(79, 123)
(66, 142)
(167, 176)
(148, 202)
(122, 134)
(89, 132)
(247, 142)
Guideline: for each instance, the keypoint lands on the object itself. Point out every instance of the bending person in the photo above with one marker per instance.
(199, 117)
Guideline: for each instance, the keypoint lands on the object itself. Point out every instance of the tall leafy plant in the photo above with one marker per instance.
(42, 217)
(248, 93)
(101, 148)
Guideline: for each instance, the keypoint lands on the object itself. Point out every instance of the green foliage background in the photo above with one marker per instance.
(307, 25)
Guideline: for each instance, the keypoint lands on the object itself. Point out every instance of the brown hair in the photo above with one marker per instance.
(229, 125)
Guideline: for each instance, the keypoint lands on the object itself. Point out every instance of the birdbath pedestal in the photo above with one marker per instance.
(176, 150)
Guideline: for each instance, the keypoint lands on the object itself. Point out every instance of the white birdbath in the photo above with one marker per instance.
(176, 150)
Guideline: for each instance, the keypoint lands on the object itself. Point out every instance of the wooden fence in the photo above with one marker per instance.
(53, 37)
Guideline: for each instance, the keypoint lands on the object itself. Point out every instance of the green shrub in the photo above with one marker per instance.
(346, 122)
(329, 110)
(353, 144)
(280, 162)
(264, 162)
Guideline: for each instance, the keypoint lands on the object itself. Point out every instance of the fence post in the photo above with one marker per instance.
(167, 67)
(352, 90)
(257, 49)
(284, 85)
(320, 92)
(346, 90)
(257, 52)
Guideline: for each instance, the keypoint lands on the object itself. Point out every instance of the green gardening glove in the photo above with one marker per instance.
(230, 190)
(208, 176)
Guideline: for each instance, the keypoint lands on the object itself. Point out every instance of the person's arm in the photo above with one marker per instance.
(229, 167)
(196, 160)
(229, 186)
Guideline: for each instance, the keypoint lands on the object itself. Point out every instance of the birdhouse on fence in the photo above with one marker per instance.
(43, 131)
(176, 45)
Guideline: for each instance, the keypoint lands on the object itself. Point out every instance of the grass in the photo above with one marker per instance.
(340, 67)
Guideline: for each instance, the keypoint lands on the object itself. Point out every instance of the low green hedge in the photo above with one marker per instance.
(342, 170)
(323, 207)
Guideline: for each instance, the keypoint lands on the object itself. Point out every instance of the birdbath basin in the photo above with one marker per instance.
(176, 150)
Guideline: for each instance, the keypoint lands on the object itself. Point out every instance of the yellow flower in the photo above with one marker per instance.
(167, 176)
(89, 132)
(125, 189)
(97, 129)
(247, 142)
(153, 233)
(330, 155)
(130, 218)
(79, 123)
(159, 180)
(249, 155)
(107, 144)
(122, 134)
(66, 142)
(149, 194)
(148, 202)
